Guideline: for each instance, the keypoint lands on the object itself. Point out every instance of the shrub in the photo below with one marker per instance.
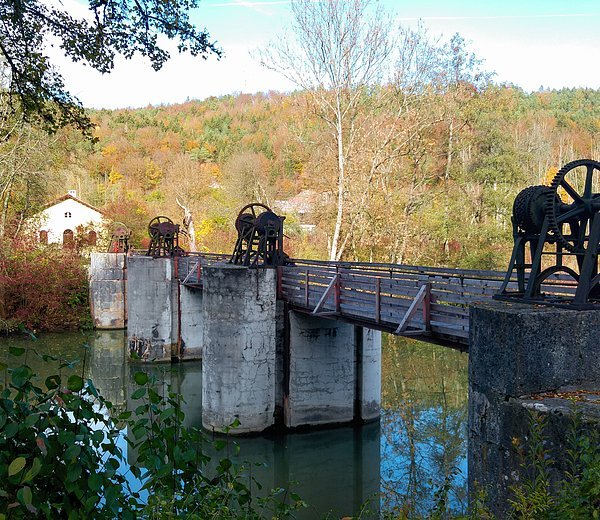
(60, 456)
(42, 287)
(576, 494)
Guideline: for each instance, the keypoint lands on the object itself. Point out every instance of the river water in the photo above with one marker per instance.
(397, 465)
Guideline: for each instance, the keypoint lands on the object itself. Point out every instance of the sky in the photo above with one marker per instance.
(530, 43)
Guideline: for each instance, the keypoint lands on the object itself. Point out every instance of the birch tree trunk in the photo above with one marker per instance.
(188, 224)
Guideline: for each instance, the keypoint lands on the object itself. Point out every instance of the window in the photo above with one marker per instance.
(44, 237)
(67, 214)
(92, 238)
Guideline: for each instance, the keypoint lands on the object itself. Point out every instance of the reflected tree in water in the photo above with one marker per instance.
(423, 428)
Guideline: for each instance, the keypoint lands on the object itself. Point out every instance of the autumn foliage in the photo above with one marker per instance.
(42, 287)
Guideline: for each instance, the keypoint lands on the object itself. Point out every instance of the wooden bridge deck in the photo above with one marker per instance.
(429, 303)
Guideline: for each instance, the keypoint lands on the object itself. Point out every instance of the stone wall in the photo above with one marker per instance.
(519, 354)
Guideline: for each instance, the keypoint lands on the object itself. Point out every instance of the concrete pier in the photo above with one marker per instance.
(191, 336)
(165, 317)
(264, 364)
(238, 369)
(108, 275)
(334, 372)
(152, 331)
(517, 353)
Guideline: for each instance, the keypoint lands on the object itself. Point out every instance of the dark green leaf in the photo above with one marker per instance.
(141, 378)
(10, 430)
(220, 444)
(16, 351)
(16, 465)
(225, 464)
(72, 452)
(75, 383)
(140, 392)
(165, 414)
(31, 420)
(25, 496)
(98, 436)
(73, 473)
(95, 482)
(52, 382)
(21, 375)
(155, 398)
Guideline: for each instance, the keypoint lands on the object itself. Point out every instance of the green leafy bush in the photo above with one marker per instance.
(574, 496)
(60, 455)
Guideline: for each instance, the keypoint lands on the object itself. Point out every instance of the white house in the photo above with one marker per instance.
(59, 220)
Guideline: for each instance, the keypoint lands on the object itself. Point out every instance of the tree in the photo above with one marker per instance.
(111, 28)
(339, 51)
(24, 180)
(463, 79)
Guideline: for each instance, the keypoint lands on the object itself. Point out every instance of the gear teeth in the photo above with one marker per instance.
(553, 196)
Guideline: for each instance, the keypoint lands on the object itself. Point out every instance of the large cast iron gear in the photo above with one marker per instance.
(529, 208)
(576, 214)
(164, 238)
(260, 237)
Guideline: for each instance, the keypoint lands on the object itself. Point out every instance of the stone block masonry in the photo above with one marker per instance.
(518, 353)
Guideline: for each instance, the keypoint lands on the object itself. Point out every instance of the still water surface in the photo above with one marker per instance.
(396, 464)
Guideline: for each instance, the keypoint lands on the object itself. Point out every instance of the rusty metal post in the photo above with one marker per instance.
(427, 307)
(279, 282)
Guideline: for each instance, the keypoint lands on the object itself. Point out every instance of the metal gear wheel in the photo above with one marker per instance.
(582, 205)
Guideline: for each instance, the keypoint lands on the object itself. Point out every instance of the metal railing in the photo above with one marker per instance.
(401, 299)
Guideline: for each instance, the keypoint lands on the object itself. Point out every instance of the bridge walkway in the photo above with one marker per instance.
(428, 303)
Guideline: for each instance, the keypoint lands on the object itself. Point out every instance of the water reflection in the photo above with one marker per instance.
(423, 426)
(395, 465)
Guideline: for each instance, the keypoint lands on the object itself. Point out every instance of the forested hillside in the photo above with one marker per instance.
(431, 180)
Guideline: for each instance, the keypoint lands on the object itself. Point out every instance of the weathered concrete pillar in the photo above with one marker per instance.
(190, 321)
(108, 272)
(334, 372)
(369, 373)
(321, 371)
(238, 368)
(151, 308)
(517, 351)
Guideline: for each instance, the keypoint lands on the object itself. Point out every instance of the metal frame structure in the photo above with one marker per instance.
(260, 237)
(550, 225)
(119, 241)
(164, 238)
